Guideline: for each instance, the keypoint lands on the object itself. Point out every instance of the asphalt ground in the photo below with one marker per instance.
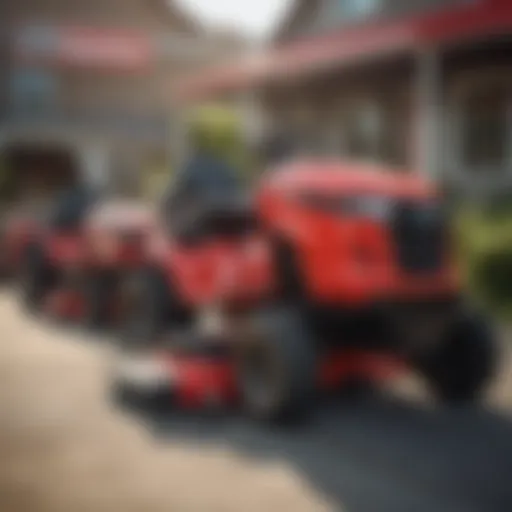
(64, 448)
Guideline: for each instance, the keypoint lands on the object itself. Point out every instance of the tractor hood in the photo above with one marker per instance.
(348, 178)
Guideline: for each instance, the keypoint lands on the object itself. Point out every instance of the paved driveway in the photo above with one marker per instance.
(63, 448)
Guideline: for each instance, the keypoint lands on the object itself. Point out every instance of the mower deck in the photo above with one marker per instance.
(194, 380)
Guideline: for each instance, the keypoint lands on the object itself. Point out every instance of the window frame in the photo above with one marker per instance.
(386, 104)
(466, 85)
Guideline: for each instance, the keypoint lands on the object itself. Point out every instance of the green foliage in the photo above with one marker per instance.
(485, 243)
(492, 274)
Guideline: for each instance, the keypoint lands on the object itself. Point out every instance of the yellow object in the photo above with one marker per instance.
(218, 130)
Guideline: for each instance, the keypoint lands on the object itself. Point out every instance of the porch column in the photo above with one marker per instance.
(428, 124)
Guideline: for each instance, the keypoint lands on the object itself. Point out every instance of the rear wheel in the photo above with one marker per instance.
(276, 366)
(462, 367)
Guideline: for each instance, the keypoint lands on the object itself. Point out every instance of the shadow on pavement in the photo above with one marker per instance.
(377, 453)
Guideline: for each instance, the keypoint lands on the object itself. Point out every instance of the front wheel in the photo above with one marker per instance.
(276, 365)
(460, 369)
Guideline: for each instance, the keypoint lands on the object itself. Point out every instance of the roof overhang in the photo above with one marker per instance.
(336, 50)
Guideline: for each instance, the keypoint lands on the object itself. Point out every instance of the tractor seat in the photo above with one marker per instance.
(229, 218)
(232, 217)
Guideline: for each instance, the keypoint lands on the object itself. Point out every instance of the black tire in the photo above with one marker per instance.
(35, 279)
(148, 307)
(460, 370)
(97, 290)
(276, 367)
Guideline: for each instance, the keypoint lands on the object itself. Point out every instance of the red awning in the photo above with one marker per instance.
(85, 47)
(351, 45)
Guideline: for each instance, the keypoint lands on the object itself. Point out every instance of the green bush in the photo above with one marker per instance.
(492, 275)
(485, 246)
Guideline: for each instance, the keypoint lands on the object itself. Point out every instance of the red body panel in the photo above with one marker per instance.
(347, 259)
(342, 259)
(219, 271)
(198, 382)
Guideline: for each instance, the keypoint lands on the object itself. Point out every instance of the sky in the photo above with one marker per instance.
(256, 17)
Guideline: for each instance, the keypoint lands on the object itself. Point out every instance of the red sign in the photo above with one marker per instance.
(93, 47)
(85, 47)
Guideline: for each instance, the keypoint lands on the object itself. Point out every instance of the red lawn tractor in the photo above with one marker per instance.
(335, 271)
(72, 264)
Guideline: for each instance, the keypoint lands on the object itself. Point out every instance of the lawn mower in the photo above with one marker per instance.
(71, 265)
(333, 271)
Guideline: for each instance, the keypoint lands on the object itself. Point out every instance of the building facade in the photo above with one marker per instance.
(419, 84)
(87, 86)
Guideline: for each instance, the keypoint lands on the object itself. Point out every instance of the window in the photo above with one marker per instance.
(486, 129)
(374, 130)
(356, 9)
(334, 13)
(365, 130)
(32, 90)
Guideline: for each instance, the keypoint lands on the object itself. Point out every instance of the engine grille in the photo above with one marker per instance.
(420, 236)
